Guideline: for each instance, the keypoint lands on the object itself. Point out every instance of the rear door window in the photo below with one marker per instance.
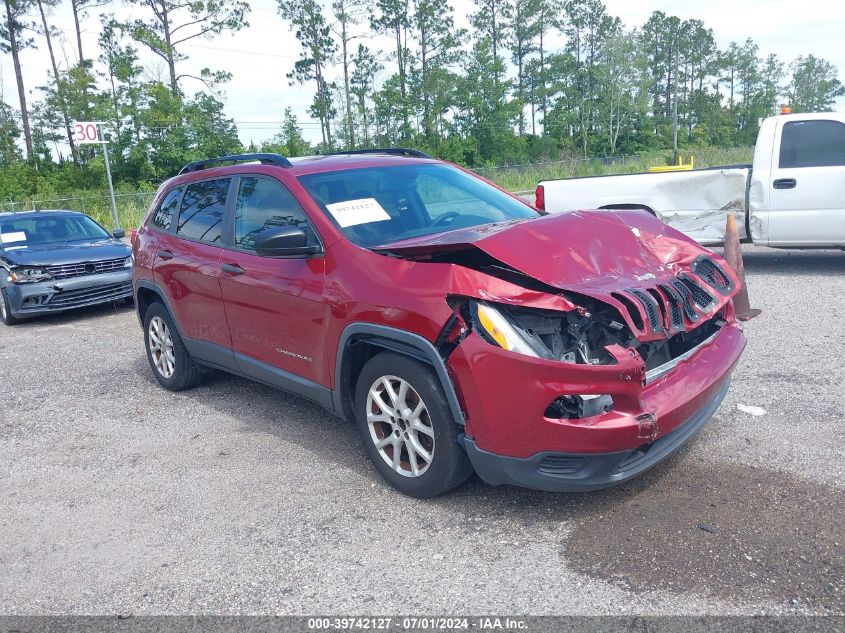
(203, 209)
(163, 216)
(812, 144)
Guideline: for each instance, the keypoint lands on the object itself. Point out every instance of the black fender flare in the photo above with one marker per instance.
(150, 285)
(402, 342)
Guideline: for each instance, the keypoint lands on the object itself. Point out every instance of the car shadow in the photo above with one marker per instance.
(329, 437)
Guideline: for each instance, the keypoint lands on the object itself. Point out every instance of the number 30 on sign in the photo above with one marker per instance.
(86, 132)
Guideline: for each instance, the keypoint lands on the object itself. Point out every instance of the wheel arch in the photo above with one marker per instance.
(147, 293)
(361, 341)
(629, 205)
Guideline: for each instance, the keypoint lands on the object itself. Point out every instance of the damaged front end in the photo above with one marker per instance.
(591, 374)
(606, 348)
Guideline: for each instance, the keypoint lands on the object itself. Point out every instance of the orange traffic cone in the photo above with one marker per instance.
(733, 255)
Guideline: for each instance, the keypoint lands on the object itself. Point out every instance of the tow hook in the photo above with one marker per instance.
(647, 427)
(58, 287)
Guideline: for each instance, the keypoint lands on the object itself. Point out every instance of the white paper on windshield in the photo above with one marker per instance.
(362, 211)
(11, 238)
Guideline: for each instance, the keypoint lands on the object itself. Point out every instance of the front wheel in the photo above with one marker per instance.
(407, 427)
(170, 361)
(6, 309)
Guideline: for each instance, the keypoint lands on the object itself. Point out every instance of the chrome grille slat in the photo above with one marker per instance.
(675, 305)
(699, 294)
(650, 306)
(667, 305)
(689, 310)
(66, 271)
(712, 274)
(71, 297)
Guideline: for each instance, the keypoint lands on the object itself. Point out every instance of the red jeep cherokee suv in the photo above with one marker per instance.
(460, 328)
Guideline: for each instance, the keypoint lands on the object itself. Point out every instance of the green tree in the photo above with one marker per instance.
(525, 29)
(13, 40)
(438, 48)
(814, 85)
(174, 22)
(79, 9)
(491, 20)
(484, 111)
(362, 86)
(318, 47)
(60, 100)
(393, 20)
(290, 141)
(588, 28)
(348, 14)
(9, 135)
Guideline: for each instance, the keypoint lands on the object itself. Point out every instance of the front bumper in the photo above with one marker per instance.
(65, 294)
(505, 397)
(582, 472)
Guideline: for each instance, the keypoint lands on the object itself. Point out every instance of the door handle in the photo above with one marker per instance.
(785, 183)
(232, 269)
(165, 254)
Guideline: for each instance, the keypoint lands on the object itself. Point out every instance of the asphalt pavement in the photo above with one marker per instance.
(117, 497)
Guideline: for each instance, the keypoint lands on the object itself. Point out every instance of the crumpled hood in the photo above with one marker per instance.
(577, 250)
(601, 254)
(59, 253)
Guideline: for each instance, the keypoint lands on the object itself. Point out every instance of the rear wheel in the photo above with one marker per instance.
(6, 309)
(170, 361)
(407, 427)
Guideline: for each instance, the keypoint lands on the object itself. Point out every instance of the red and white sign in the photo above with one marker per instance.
(86, 132)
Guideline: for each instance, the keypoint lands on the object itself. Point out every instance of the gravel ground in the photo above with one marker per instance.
(119, 497)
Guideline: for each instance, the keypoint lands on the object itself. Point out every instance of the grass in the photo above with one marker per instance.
(526, 177)
(132, 206)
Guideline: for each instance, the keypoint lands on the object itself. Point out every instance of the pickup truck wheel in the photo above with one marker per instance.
(6, 309)
(170, 361)
(407, 427)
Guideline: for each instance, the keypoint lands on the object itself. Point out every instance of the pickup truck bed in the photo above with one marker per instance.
(793, 196)
(695, 202)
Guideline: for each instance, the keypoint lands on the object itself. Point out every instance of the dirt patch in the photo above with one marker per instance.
(731, 531)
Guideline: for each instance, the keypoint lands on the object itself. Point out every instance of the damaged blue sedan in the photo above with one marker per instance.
(51, 261)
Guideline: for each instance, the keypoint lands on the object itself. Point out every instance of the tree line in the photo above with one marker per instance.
(528, 80)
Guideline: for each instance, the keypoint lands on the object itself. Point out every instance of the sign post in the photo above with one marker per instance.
(88, 132)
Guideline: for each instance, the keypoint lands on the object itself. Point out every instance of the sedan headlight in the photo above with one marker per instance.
(29, 275)
(494, 326)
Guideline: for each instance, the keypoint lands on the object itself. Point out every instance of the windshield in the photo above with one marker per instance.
(379, 205)
(28, 231)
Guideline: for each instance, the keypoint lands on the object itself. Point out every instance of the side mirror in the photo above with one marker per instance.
(284, 241)
(118, 234)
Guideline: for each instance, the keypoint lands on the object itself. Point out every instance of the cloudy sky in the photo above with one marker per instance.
(260, 56)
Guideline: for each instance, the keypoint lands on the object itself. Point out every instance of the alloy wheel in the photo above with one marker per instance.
(161, 347)
(400, 426)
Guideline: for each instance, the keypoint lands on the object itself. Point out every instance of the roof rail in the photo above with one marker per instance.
(265, 159)
(398, 151)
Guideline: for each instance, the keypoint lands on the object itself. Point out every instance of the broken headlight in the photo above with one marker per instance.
(29, 275)
(569, 337)
(494, 326)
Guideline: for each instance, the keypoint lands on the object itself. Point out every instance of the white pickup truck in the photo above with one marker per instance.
(793, 196)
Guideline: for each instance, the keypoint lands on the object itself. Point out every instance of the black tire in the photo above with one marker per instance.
(186, 373)
(6, 309)
(449, 466)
